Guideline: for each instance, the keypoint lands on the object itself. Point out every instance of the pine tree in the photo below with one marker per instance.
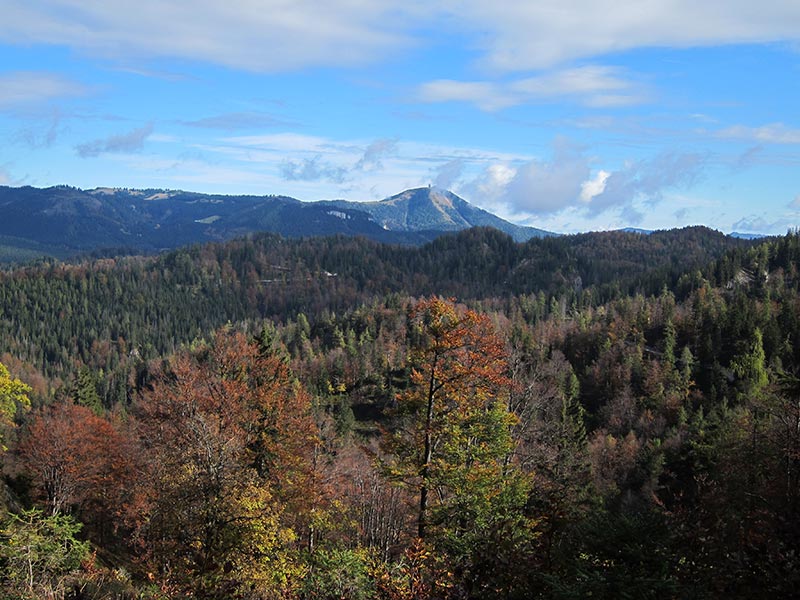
(86, 391)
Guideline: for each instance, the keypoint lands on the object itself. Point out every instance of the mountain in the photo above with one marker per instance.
(431, 209)
(64, 221)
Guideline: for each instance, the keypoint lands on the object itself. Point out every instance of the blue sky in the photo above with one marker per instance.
(569, 116)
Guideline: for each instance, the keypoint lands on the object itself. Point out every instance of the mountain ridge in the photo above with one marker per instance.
(63, 221)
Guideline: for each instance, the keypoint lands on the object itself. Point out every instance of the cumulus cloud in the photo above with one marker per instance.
(312, 169)
(237, 120)
(568, 182)
(594, 86)
(133, 141)
(546, 187)
(631, 215)
(21, 89)
(489, 187)
(592, 187)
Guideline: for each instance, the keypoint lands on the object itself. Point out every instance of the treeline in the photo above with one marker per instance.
(544, 443)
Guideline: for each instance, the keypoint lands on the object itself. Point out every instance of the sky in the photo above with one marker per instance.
(567, 116)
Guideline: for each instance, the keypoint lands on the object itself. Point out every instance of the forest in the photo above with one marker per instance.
(608, 415)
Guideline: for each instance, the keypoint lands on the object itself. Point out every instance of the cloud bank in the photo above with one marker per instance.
(274, 35)
(569, 181)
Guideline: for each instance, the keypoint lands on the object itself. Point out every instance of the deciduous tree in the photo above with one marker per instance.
(227, 435)
(13, 397)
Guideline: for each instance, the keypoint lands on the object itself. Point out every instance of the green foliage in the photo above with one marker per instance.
(333, 574)
(40, 557)
(750, 367)
(85, 393)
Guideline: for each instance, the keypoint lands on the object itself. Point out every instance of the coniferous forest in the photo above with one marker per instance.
(609, 415)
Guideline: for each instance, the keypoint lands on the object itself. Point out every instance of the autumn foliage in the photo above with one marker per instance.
(580, 443)
(227, 438)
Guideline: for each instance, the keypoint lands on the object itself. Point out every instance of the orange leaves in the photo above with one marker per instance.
(75, 458)
(459, 354)
(228, 440)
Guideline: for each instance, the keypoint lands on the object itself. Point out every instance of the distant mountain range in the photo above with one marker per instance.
(63, 221)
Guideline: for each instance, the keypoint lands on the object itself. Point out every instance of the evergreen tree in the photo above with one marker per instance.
(85, 393)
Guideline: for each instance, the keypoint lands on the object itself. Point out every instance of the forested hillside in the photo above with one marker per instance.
(59, 316)
(605, 415)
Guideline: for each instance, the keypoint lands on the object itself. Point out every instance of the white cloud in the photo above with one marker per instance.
(595, 86)
(567, 184)
(488, 187)
(278, 35)
(263, 36)
(533, 35)
(487, 96)
(21, 89)
(593, 187)
(774, 133)
(541, 187)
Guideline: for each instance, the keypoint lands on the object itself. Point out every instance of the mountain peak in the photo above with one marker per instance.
(435, 209)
